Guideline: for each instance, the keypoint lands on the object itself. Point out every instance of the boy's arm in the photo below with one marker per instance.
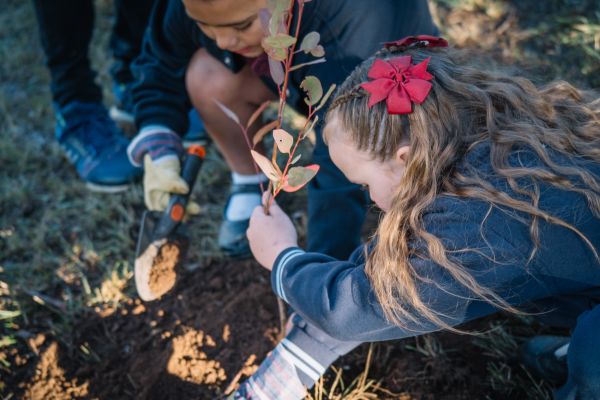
(159, 95)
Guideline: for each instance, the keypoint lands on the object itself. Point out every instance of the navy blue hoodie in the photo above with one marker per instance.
(336, 296)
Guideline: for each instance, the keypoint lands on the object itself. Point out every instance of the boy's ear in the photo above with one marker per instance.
(402, 154)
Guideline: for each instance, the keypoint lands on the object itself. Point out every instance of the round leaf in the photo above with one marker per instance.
(283, 140)
(310, 41)
(314, 90)
(280, 41)
(318, 51)
(297, 177)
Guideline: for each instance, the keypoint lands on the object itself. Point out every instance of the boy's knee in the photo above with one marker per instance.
(207, 78)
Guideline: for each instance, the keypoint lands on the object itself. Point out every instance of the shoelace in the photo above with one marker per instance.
(93, 126)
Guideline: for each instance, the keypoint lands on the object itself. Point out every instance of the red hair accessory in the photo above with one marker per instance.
(399, 83)
(421, 40)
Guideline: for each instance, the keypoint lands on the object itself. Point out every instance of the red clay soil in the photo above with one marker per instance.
(163, 273)
(206, 336)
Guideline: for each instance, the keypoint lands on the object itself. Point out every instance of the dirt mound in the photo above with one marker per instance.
(190, 363)
(207, 334)
(50, 382)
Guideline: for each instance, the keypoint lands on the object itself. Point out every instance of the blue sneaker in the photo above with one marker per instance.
(95, 146)
(122, 111)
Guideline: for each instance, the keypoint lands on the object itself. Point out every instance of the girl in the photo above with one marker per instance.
(491, 193)
(198, 51)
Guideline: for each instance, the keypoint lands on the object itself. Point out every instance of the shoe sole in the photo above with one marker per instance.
(105, 188)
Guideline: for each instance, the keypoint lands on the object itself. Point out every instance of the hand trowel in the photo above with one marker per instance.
(160, 229)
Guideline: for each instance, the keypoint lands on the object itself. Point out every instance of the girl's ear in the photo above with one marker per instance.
(402, 155)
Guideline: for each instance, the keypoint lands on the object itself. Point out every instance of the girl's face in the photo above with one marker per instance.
(233, 24)
(381, 178)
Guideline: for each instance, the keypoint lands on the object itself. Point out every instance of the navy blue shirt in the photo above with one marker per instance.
(336, 296)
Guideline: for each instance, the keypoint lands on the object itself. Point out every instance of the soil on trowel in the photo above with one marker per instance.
(163, 274)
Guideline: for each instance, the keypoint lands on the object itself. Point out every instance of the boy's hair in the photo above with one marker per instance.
(467, 106)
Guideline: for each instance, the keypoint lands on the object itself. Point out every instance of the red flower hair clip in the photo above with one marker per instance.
(399, 83)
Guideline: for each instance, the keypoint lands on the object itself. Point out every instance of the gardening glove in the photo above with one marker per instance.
(160, 149)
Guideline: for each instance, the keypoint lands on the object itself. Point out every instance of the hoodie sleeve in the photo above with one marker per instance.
(159, 95)
(337, 296)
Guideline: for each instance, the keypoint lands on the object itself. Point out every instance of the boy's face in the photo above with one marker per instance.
(233, 24)
(381, 178)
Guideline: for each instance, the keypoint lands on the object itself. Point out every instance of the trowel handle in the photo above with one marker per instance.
(191, 166)
(175, 211)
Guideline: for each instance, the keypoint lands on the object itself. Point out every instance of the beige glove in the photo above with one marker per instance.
(161, 178)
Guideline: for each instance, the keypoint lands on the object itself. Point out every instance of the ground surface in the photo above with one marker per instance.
(70, 324)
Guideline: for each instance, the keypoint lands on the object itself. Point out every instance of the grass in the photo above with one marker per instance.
(65, 250)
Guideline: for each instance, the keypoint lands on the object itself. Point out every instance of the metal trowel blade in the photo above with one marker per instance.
(148, 248)
(149, 221)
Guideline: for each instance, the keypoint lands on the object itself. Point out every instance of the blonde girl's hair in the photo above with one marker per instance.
(467, 106)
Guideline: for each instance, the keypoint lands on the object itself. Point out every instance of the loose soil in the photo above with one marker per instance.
(210, 333)
(163, 273)
(217, 323)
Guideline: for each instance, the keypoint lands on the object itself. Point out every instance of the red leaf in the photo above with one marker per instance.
(297, 177)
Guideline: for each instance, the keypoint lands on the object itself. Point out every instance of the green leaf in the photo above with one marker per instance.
(297, 177)
(326, 97)
(274, 52)
(314, 90)
(306, 64)
(280, 41)
(310, 41)
(296, 159)
(279, 9)
(7, 314)
(283, 140)
(311, 127)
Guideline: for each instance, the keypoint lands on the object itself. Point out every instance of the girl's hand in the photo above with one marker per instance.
(269, 235)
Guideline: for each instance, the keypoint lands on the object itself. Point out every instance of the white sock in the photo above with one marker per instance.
(242, 204)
